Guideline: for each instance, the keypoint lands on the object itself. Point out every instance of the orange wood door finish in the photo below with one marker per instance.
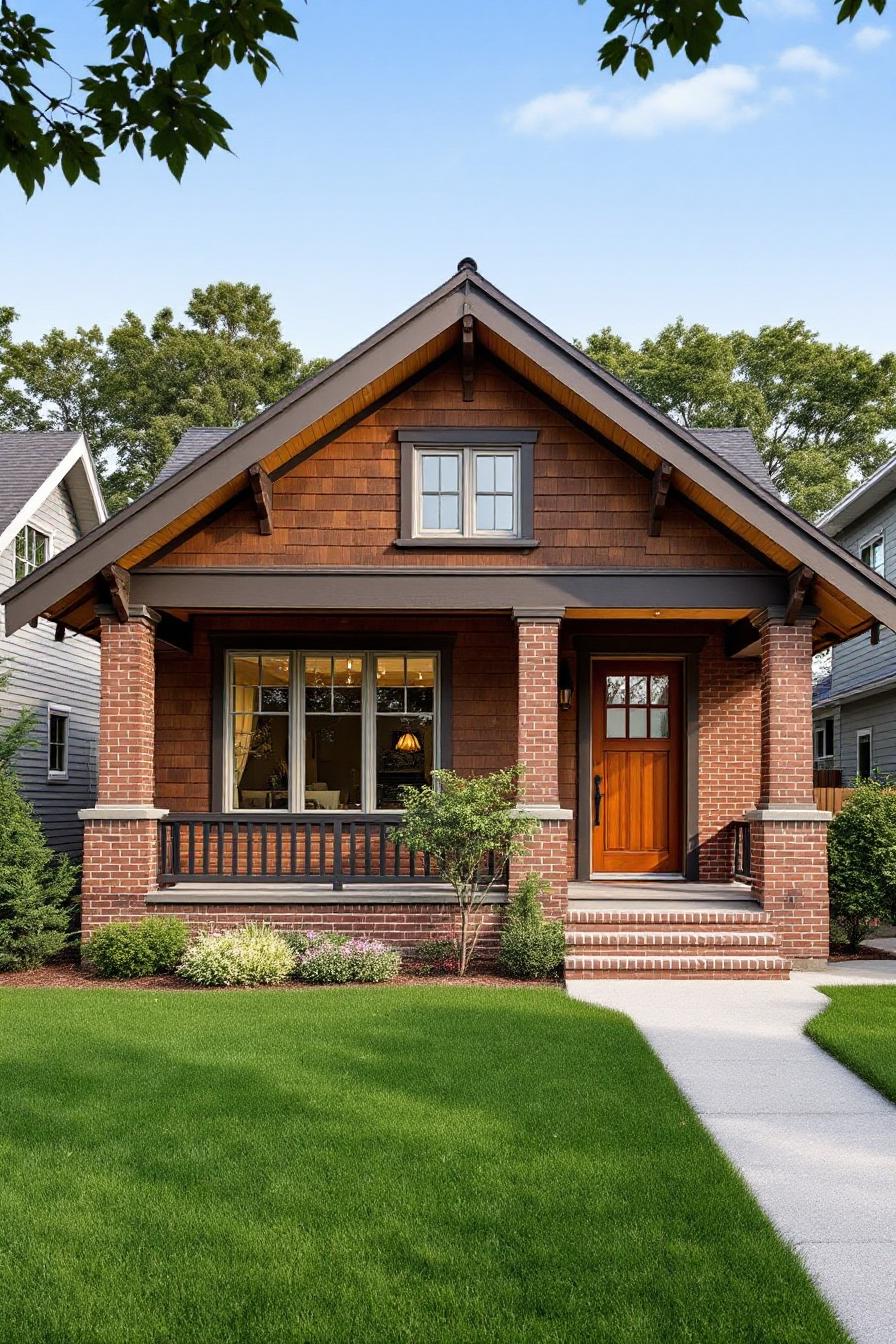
(636, 796)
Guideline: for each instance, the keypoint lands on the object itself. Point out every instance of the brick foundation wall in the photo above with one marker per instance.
(790, 866)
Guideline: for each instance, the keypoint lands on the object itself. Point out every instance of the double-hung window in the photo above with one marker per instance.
(872, 553)
(824, 739)
(469, 488)
(32, 549)
(323, 730)
(57, 742)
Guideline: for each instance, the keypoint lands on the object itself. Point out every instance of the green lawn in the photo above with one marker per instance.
(430, 1164)
(859, 1029)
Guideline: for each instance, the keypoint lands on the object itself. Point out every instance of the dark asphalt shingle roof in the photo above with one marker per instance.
(191, 445)
(736, 446)
(26, 460)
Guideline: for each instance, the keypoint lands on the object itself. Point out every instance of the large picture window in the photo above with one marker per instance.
(331, 731)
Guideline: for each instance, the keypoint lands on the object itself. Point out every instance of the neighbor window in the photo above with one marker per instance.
(57, 742)
(872, 554)
(466, 487)
(824, 739)
(32, 549)
(864, 764)
(331, 731)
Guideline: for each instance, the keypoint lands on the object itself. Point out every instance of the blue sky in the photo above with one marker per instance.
(402, 136)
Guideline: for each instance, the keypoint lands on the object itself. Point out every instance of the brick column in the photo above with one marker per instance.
(537, 752)
(121, 831)
(788, 834)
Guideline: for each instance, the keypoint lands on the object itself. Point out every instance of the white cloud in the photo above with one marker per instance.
(869, 39)
(716, 99)
(808, 61)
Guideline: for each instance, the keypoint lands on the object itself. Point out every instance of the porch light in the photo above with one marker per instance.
(564, 684)
(408, 742)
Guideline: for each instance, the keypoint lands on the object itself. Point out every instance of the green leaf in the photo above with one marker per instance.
(643, 61)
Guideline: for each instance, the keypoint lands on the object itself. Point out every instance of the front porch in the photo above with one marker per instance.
(243, 774)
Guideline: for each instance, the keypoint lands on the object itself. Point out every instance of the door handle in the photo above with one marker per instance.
(597, 799)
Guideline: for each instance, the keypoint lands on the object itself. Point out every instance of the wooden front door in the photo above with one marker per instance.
(636, 795)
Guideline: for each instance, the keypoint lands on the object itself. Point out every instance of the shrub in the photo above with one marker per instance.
(434, 957)
(459, 822)
(862, 860)
(252, 955)
(143, 947)
(335, 959)
(35, 885)
(532, 947)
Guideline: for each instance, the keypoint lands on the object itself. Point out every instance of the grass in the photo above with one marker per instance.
(367, 1165)
(859, 1029)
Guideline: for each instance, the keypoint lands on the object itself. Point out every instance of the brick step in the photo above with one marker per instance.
(622, 918)
(709, 967)
(674, 940)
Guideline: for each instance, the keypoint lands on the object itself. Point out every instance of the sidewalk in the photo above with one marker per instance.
(816, 1145)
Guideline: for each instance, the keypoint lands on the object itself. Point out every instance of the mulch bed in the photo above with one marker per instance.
(69, 975)
(842, 953)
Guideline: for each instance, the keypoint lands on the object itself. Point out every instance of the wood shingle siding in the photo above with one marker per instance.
(341, 506)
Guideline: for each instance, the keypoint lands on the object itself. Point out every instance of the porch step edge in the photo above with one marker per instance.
(623, 916)
(671, 965)
(672, 938)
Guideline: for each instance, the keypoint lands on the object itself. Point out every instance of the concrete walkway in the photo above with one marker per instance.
(816, 1145)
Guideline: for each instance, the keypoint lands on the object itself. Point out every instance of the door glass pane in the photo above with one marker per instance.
(659, 690)
(615, 690)
(637, 690)
(659, 723)
(637, 723)
(615, 723)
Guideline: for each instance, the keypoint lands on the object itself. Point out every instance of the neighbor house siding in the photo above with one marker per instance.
(877, 712)
(46, 672)
(858, 661)
(341, 505)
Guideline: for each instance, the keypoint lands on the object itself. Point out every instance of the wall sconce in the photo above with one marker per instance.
(564, 685)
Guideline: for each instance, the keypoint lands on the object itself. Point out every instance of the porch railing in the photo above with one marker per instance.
(352, 847)
(742, 871)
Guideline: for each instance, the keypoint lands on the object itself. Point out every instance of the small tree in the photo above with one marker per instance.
(35, 884)
(459, 821)
(862, 860)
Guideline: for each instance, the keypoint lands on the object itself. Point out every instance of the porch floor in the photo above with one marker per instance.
(639, 895)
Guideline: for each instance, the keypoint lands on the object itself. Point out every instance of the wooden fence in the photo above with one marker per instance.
(831, 799)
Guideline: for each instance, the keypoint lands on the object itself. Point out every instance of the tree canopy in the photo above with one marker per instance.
(134, 391)
(820, 413)
(148, 90)
(638, 28)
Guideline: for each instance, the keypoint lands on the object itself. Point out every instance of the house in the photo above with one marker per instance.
(465, 545)
(854, 706)
(50, 498)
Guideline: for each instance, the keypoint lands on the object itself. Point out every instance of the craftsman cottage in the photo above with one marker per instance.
(464, 545)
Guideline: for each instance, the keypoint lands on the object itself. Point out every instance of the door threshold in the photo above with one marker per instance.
(637, 877)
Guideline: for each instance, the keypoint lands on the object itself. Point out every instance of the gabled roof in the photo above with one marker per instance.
(865, 497)
(736, 446)
(850, 595)
(33, 464)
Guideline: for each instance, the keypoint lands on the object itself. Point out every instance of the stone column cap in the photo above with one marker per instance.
(787, 814)
(544, 811)
(122, 812)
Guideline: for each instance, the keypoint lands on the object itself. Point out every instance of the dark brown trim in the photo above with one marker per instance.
(221, 642)
(118, 582)
(659, 494)
(260, 485)
(177, 634)
(415, 589)
(466, 543)
(468, 358)
(798, 585)
(687, 647)
(742, 639)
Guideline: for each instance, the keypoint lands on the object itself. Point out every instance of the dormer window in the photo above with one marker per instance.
(466, 488)
(32, 549)
(872, 553)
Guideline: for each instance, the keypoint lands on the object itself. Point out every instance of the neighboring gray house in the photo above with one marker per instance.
(50, 496)
(854, 708)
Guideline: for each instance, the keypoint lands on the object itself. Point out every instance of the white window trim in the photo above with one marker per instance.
(467, 454)
(297, 719)
(869, 733)
(61, 712)
(870, 540)
(48, 535)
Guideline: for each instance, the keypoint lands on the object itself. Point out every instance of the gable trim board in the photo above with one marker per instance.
(406, 346)
(861, 500)
(77, 457)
